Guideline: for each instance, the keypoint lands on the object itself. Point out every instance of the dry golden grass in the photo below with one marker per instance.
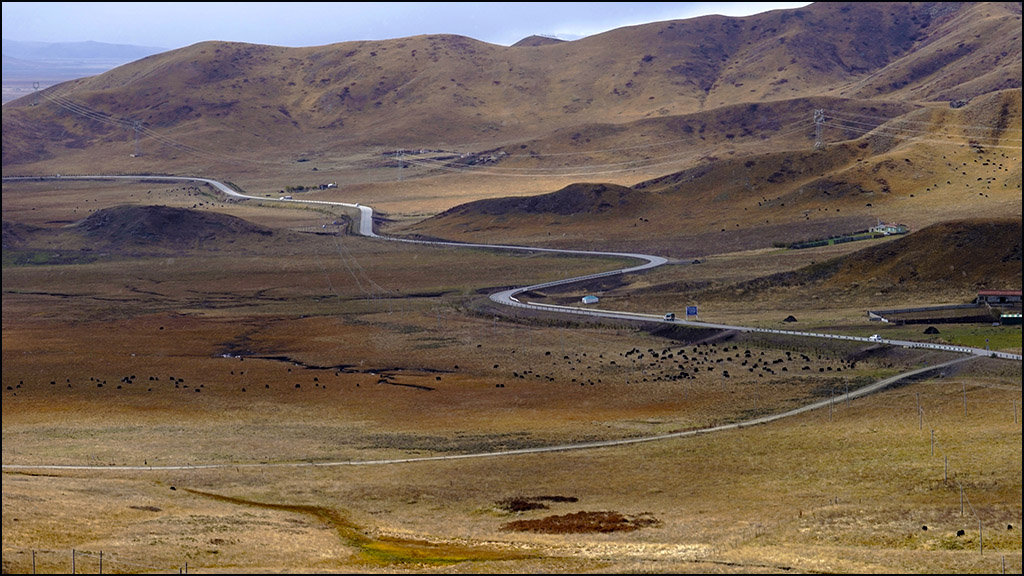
(752, 201)
(291, 365)
(853, 496)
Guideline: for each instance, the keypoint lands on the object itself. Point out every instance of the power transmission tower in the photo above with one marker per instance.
(137, 127)
(819, 118)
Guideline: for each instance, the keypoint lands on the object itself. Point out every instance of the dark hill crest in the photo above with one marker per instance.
(582, 198)
(538, 40)
(136, 226)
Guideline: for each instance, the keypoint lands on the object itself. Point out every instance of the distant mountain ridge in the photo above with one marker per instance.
(28, 66)
(78, 51)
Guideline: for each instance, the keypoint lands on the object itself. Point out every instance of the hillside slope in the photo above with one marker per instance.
(930, 166)
(244, 108)
(988, 258)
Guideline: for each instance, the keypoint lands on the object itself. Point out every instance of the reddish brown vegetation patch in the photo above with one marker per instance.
(524, 503)
(583, 522)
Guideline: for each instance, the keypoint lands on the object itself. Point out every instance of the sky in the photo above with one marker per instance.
(170, 25)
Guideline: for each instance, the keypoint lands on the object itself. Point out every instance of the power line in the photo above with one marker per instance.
(895, 125)
(895, 132)
(935, 132)
(883, 119)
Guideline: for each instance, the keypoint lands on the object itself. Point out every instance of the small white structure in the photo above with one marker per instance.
(590, 299)
(890, 229)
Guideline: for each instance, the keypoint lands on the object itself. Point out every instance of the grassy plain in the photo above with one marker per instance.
(303, 402)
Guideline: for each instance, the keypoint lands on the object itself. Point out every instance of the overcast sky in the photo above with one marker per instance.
(171, 25)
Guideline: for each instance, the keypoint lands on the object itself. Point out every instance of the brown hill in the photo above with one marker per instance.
(919, 170)
(164, 226)
(245, 109)
(573, 199)
(538, 41)
(988, 257)
(131, 228)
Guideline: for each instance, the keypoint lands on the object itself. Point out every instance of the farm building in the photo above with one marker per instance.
(889, 229)
(590, 299)
(998, 297)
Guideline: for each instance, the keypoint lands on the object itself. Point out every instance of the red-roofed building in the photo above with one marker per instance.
(998, 297)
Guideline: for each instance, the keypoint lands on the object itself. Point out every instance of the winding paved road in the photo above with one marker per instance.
(510, 297)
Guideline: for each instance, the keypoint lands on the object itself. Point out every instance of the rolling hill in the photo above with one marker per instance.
(456, 92)
(990, 259)
(129, 231)
(754, 201)
(715, 133)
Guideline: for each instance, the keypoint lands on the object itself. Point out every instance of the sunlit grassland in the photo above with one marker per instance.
(871, 482)
(296, 365)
